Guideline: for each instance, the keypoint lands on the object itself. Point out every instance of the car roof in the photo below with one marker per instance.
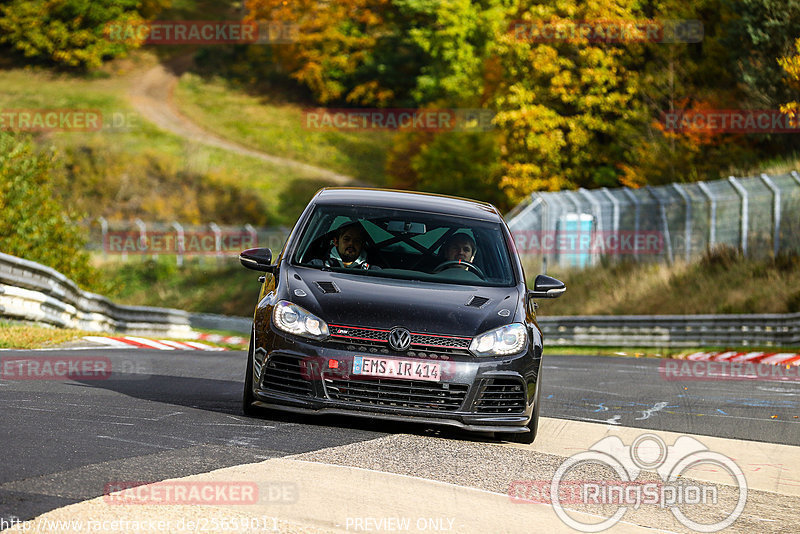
(410, 200)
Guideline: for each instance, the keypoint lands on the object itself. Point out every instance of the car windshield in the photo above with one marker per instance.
(405, 244)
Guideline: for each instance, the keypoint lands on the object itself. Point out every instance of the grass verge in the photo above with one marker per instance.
(23, 336)
(27, 337)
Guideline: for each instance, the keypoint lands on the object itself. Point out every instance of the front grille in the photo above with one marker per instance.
(376, 337)
(285, 374)
(450, 342)
(501, 395)
(400, 393)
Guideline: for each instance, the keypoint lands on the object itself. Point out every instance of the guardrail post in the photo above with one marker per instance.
(744, 226)
(180, 242)
(712, 225)
(776, 213)
(687, 234)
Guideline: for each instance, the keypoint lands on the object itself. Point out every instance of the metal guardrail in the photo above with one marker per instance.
(213, 321)
(30, 291)
(676, 331)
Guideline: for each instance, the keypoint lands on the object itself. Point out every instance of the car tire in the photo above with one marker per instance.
(247, 396)
(533, 425)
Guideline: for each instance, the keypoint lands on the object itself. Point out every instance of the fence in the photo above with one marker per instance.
(759, 215)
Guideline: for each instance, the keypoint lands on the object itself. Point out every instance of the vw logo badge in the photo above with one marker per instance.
(399, 339)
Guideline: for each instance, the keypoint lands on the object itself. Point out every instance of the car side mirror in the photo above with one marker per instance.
(257, 259)
(546, 287)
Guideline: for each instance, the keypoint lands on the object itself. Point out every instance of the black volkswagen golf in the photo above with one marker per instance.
(398, 305)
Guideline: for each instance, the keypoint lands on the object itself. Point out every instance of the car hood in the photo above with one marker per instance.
(363, 300)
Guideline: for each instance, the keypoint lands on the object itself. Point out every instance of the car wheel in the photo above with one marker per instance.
(247, 396)
(533, 426)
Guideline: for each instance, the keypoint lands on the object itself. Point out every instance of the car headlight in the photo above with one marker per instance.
(295, 320)
(508, 339)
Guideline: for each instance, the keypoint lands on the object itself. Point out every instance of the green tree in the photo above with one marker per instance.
(462, 164)
(386, 52)
(69, 33)
(567, 109)
(33, 223)
(760, 32)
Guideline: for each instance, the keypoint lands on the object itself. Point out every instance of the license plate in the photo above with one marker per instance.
(389, 368)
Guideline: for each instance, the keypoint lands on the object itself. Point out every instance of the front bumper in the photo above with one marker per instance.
(475, 394)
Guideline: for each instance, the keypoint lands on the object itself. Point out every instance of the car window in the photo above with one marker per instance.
(409, 245)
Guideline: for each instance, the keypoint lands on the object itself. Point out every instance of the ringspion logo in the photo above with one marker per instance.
(624, 490)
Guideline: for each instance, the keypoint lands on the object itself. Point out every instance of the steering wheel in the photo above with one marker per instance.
(454, 263)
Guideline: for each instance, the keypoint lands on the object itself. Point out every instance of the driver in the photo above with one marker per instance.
(348, 248)
(459, 247)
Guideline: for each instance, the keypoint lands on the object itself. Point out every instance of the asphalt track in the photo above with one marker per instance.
(172, 414)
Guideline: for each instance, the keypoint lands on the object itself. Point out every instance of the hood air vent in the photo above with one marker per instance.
(327, 287)
(477, 302)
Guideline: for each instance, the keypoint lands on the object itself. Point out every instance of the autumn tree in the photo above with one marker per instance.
(33, 223)
(567, 108)
(70, 33)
